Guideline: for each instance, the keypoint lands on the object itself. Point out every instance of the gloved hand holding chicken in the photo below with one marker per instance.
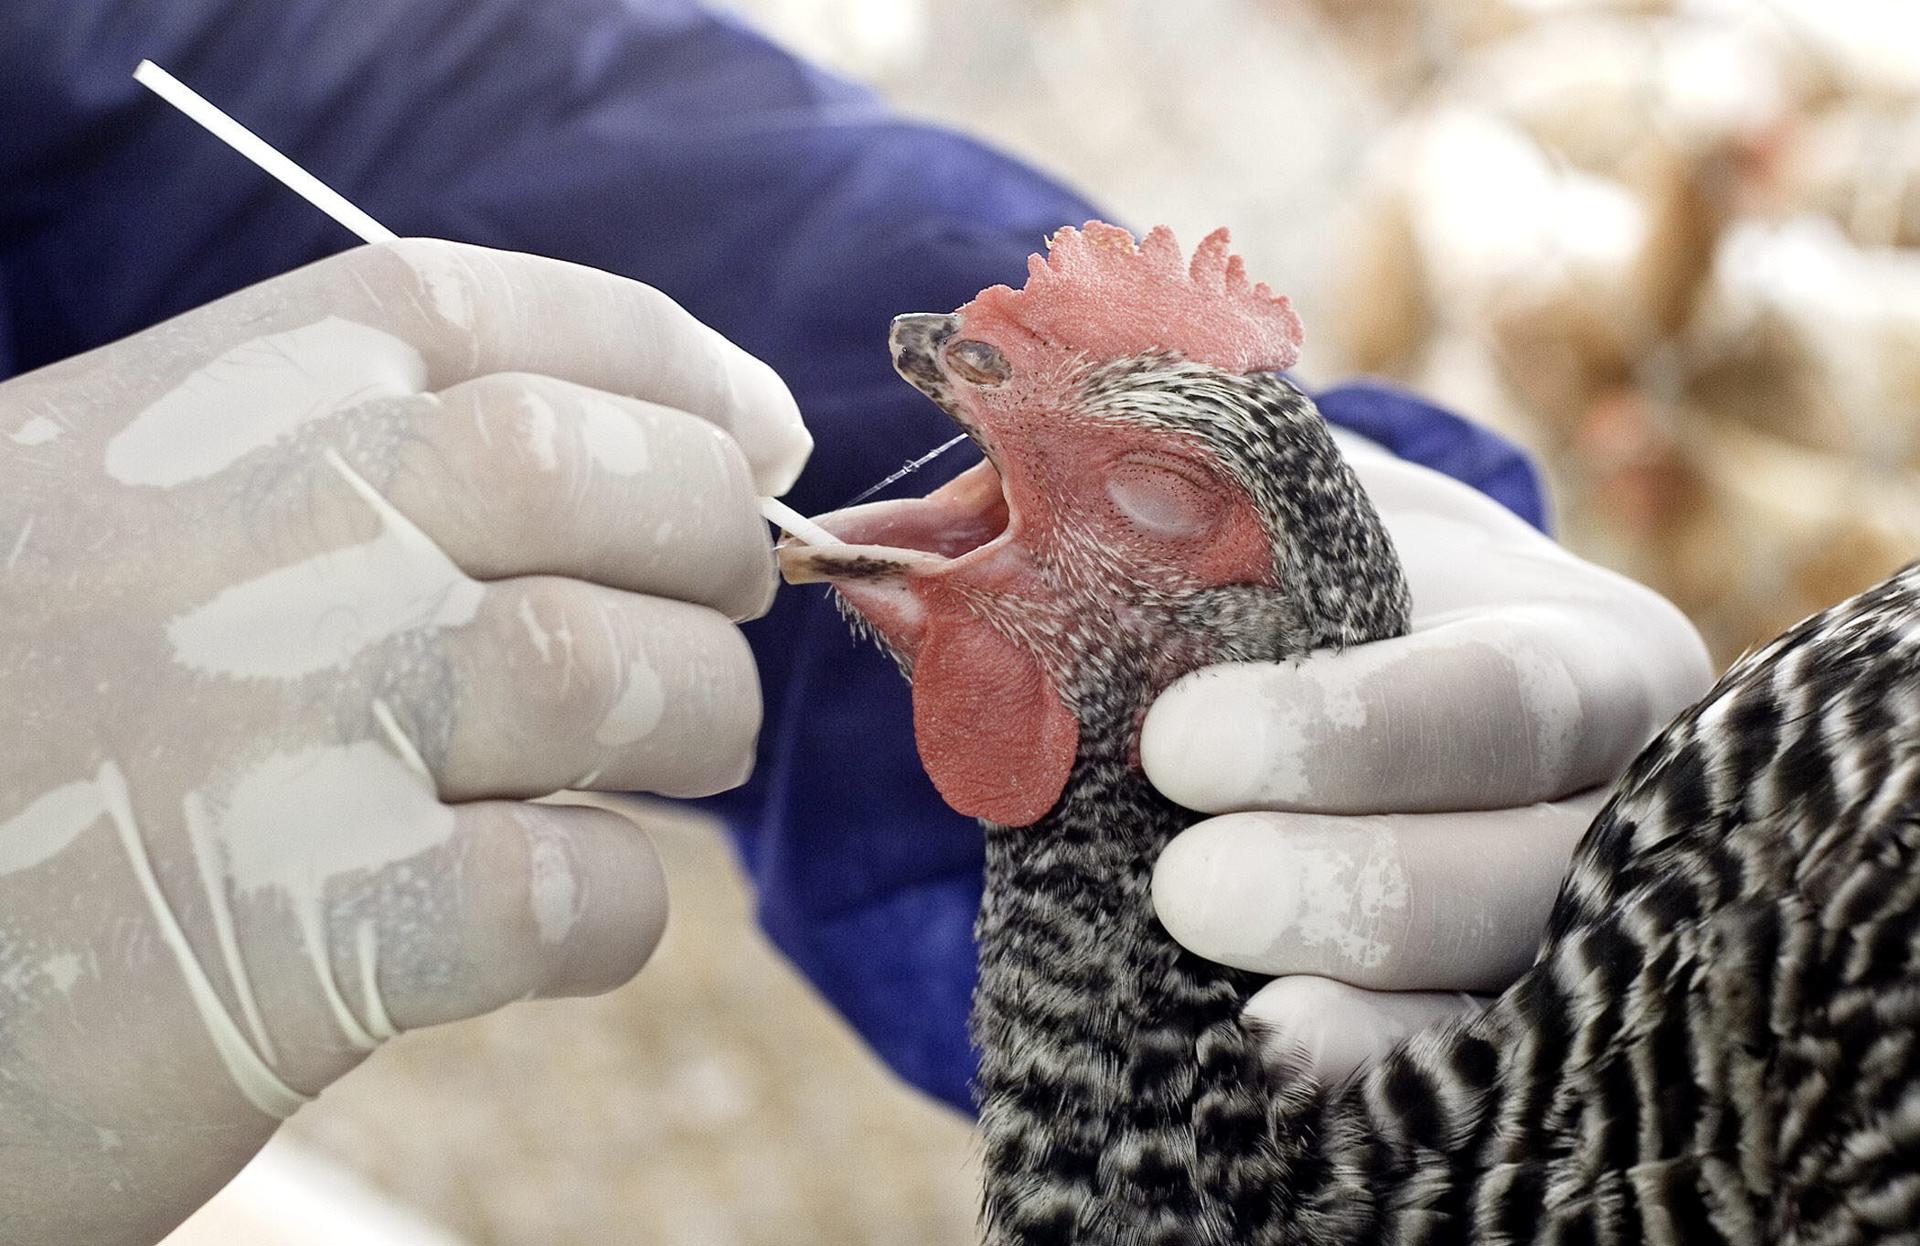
(1414, 801)
(1698, 1049)
(306, 591)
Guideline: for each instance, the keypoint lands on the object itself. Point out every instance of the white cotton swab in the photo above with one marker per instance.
(334, 204)
(262, 153)
(781, 515)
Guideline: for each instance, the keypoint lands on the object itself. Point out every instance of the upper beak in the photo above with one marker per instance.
(916, 340)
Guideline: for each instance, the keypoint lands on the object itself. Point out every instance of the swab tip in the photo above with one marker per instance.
(781, 515)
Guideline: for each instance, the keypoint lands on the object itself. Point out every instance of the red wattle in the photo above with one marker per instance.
(996, 738)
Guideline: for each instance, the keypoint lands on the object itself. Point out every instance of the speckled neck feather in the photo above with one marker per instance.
(1121, 1098)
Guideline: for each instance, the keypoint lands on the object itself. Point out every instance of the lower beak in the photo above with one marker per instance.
(847, 564)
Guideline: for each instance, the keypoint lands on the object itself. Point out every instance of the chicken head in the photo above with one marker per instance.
(1154, 498)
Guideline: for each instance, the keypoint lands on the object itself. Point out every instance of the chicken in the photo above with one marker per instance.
(1717, 1042)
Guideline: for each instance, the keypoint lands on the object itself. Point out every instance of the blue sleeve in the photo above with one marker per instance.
(1420, 432)
(788, 209)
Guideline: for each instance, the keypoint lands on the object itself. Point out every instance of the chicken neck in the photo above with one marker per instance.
(1122, 1099)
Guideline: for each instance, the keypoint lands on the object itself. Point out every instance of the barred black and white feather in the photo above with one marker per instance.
(1716, 1045)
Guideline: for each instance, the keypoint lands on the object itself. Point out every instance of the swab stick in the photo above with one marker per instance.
(335, 205)
(262, 153)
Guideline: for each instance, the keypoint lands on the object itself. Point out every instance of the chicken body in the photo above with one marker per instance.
(1718, 1043)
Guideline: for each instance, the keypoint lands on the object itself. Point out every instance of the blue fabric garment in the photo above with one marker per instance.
(788, 209)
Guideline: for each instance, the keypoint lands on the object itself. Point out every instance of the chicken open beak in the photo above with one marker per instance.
(907, 537)
(912, 537)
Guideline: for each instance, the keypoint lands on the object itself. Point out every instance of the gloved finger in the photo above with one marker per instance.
(503, 311)
(518, 474)
(1449, 901)
(1479, 711)
(1328, 1029)
(545, 901)
(558, 684)
(422, 314)
(410, 317)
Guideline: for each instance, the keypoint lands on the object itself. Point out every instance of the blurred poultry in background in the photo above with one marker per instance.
(1673, 246)
(1717, 1042)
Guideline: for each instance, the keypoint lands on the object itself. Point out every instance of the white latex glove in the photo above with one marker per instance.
(1411, 805)
(304, 593)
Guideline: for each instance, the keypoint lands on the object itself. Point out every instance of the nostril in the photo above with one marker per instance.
(916, 340)
(978, 363)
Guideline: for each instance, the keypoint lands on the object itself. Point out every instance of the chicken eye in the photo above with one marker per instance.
(1163, 500)
(978, 363)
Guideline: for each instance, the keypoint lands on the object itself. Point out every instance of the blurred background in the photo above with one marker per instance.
(1671, 246)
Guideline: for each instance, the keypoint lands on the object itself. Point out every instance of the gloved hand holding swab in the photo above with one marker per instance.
(345, 567)
(316, 192)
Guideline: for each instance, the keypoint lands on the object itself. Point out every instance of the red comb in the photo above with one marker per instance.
(1098, 293)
